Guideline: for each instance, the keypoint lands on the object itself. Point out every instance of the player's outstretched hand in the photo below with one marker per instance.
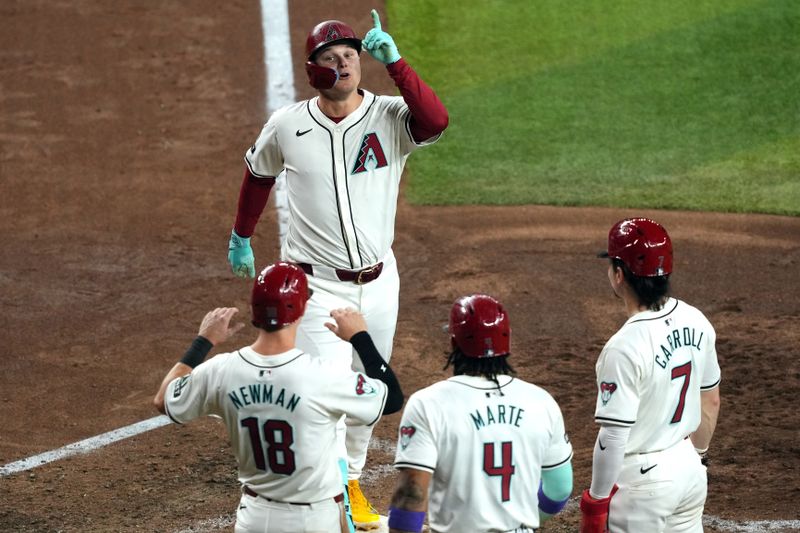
(380, 44)
(240, 256)
(216, 325)
(348, 323)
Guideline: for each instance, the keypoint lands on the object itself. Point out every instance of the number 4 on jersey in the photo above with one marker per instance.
(505, 470)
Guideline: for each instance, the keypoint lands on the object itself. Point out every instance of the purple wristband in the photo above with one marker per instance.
(406, 520)
(546, 505)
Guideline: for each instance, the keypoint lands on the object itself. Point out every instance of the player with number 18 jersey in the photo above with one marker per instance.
(281, 413)
(282, 407)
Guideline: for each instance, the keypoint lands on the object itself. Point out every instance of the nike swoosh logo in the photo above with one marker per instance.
(301, 133)
(644, 470)
(600, 443)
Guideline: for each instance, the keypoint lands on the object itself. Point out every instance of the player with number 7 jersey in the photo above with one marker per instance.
(657, 396)
(481, 442)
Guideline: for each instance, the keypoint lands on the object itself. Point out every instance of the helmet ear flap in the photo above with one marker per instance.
(321, 78)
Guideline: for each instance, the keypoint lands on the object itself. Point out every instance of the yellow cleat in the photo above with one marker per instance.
(365, 517)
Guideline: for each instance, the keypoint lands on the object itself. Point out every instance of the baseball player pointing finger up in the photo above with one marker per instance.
(343, 154)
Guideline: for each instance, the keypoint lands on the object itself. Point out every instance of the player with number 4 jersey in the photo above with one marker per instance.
(482, 441)
(658, 396)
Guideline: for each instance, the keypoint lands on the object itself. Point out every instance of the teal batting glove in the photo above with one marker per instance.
(240, 256)
(380, 44)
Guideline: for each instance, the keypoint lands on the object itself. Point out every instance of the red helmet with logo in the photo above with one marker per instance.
(280, 293)
(479, 326)
(328, 33)
(643, 245)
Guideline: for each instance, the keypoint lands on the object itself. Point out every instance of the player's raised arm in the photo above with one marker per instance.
(215, 328)
(350, 326)
(429, 117)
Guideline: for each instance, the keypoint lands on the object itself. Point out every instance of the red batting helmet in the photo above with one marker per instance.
(328, 33)
(279, 296)
(479, 326)
(643, 245)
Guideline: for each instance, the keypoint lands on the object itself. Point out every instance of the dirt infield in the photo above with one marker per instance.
(122, 131)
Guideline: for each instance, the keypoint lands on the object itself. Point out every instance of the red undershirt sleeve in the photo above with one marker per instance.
(252, 198)
(428, 115)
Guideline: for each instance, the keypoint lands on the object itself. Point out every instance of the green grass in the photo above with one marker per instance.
(676, 105)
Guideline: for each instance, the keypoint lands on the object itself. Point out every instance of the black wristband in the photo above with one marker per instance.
(197, 352)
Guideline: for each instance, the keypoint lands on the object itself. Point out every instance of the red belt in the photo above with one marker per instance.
(250, 492)
(359, 277)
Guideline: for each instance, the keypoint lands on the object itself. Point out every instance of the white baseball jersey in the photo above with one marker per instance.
(651, 372)
(342, 178)
(342, 184)
(486, 449)
(281, 413)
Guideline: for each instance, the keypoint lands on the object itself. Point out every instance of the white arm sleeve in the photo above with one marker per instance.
(609, 451)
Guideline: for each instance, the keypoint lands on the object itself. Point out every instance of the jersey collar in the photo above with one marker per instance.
(269, 361)
(478, 382)
(352, 118)
(669, 307)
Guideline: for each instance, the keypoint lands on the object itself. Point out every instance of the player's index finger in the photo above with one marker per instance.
(376, 20)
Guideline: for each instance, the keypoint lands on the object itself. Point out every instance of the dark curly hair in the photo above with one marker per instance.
(487, 367)
(652, 292)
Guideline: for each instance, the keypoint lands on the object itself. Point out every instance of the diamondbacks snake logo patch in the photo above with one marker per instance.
(606, 390)
(406, 432)
(363, 386)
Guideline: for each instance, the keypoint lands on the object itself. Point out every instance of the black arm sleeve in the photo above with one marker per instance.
(376, 367)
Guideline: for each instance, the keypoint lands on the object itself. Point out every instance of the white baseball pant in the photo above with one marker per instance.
(258, 515)
(378, 301)
(660, 492)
